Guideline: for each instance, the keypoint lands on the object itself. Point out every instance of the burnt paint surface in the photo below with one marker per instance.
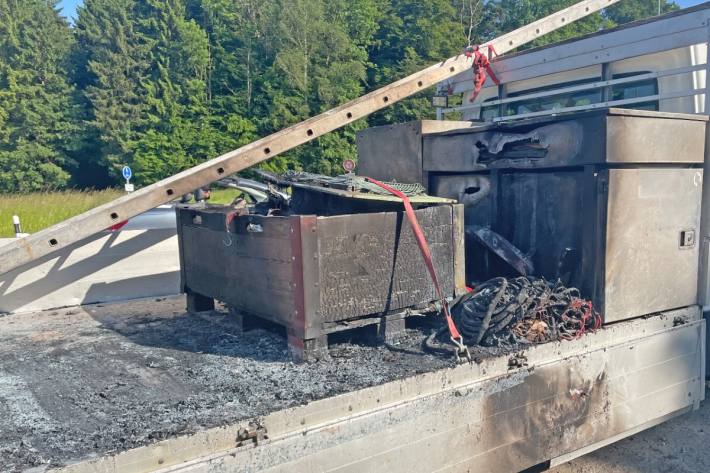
(550, 411)
(542, 214)
(550, 194)
(371, 264)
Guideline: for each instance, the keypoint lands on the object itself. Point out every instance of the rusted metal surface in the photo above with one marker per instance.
(488, 417)
(306, 272)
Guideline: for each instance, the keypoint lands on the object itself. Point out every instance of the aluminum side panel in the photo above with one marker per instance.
(647, 269)
(631, 139)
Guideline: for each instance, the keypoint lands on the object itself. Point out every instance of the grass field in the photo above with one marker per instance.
(40, 210)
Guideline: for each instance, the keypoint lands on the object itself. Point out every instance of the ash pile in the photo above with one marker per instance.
(506, 312)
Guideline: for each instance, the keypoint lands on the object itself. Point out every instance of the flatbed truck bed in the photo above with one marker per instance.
(143, 386)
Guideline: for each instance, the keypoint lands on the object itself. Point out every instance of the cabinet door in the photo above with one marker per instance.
(651, 254)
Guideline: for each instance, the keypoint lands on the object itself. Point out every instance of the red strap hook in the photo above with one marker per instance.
(481, 68)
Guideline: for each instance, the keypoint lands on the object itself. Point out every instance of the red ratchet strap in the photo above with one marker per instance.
(481, 67)
(229, 218)
(117, 227)
(456, 337)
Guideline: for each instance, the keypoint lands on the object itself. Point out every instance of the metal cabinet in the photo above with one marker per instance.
(608, 201)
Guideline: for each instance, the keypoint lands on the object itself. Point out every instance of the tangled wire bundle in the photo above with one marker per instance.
(523, 310)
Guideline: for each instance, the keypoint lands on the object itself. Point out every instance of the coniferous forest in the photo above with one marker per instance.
(162, 85)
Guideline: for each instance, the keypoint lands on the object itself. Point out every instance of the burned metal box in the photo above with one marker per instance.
(398, 150)
(318, 274)
(608, 201)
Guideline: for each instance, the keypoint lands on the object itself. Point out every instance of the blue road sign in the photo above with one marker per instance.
(127, 173)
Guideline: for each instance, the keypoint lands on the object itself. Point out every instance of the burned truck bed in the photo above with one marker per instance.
(143, 386)
(104, 378)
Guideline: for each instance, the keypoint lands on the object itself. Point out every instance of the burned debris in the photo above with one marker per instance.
(339, 252)
(523, 310)
(355, 233)
(579, 197)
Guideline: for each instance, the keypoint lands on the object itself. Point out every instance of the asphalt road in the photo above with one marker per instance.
(681, 445)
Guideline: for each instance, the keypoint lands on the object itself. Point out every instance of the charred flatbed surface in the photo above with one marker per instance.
(81, 383)
(91, 380)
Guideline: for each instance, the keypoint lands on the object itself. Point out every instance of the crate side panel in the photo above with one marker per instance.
(371, 263)
(251, 272)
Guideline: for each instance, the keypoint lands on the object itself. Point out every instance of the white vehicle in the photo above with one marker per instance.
(656, 64)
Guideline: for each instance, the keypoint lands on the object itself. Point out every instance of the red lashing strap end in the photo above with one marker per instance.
(428, 260)
(481, 67)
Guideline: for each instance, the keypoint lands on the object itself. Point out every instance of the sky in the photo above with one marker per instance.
(69, 6)
(688, 3)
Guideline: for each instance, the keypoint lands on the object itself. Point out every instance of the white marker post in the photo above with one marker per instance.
(18, 227)
(127, 173)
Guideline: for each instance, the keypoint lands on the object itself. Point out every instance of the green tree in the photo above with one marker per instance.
(502, 16)
(238, 57)
(632, 10)
(169, 83)
(412, 36)
(319, 61)
(111, 60)
(37, 107)
(176, 130)
(239, 51)
(144, 67)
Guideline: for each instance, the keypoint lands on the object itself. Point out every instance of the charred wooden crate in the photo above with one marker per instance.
(316, 275)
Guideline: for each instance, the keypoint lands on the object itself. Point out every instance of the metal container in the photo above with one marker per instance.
(316, 275)
(398, 150)
(608, 201)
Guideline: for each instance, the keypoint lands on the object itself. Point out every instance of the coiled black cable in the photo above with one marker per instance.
(520, 310)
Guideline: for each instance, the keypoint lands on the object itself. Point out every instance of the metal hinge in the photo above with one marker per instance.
(603, 186)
